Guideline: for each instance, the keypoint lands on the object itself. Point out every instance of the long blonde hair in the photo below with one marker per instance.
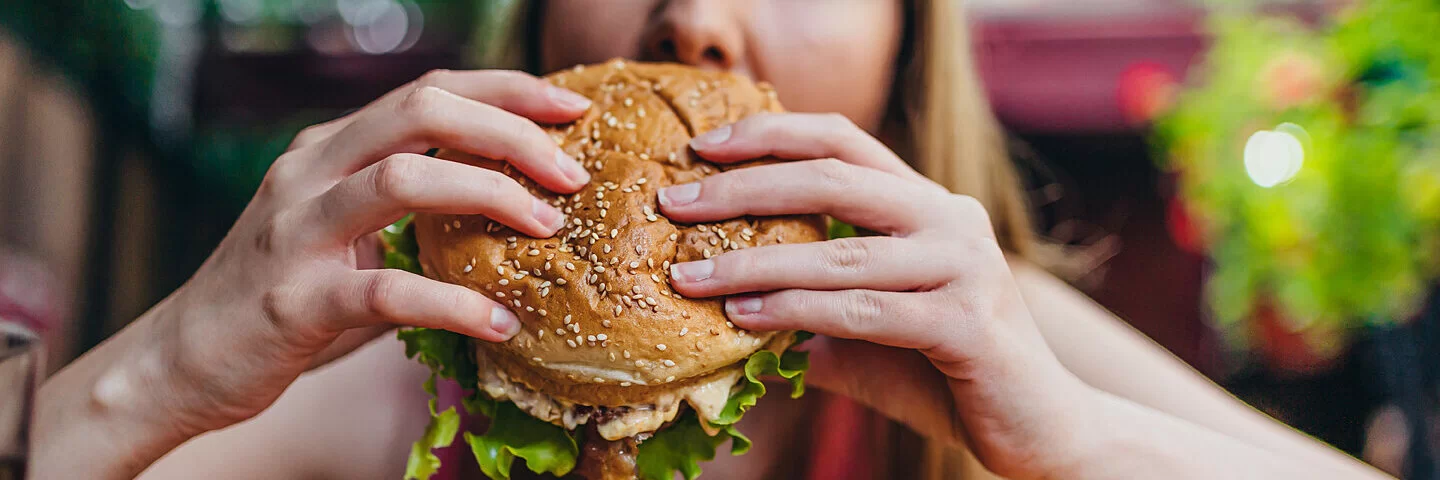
(945, 128)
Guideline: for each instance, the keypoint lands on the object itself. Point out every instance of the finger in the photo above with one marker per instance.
(802, 136)
(876, 263)
(886, 318)
(860, 196)
(431, 117)
(513, 91)
(367, 298)
(382, 193)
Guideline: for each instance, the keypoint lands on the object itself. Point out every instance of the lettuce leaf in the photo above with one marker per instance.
(400, 249)
(440, 433)
(790, 365)
(546, 448)
(682, 446)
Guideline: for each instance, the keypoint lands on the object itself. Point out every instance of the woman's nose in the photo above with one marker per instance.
(703, 33)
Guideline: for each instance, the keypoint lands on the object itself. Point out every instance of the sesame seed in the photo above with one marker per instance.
(499, 270)
(521, 275)
(515, 292)
(730, 324)
(599, 380)
(544, 292)
(599, 269)
(669, 362)
(655, 277)
(605, 323)
(575, 327)
(500, 294)
(673, 236)
(534, 252)
(468, 268)
(634, 264)
(618, 309)
(660, 347)
(516, 302)
(569, 266)
(706, 252)
(684, 330)
(625, 353)
(543, 313)
(579, 340)
(607, 248)
(570, 342)
(669, 378)
(529, 308)
(624, 384)
(652, 217)
(504, 281)
(629, 102)
(539, 334)
(559, 331)
(639, 363)
(590, 338)
(561, 281)
(651, 301)
(567, 320)
(602, 337)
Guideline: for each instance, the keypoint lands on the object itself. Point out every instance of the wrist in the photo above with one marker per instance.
(110, 413)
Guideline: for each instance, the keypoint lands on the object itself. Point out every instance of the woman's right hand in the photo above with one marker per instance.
(284, 285)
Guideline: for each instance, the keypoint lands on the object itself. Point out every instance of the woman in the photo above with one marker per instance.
(948, 325)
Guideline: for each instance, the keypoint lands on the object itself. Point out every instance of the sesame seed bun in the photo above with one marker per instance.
(601, 325)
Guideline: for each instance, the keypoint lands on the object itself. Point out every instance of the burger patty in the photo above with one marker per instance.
(611, 422)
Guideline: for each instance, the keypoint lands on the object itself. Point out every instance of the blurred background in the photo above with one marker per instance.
(1255, 186)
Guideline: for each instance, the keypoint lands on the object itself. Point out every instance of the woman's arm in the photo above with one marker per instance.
(354, 418)
(1110, 356)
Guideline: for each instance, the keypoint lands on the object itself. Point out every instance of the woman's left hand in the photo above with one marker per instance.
(927, 324)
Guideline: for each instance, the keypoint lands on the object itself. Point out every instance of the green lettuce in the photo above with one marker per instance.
(440, 433)
(513, 434)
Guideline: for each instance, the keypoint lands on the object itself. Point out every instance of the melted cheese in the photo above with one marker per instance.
(707, 399)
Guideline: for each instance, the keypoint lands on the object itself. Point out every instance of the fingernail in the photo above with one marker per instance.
(547, 215)
(743, 305)
(569, 99)
(697, 271)
(571, 168)
(711, 138)
(678, 195)
(504, 322)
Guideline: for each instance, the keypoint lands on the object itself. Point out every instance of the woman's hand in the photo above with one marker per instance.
(284, 292)
(928, 326)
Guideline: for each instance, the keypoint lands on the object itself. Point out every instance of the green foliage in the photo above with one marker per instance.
(1348, 241)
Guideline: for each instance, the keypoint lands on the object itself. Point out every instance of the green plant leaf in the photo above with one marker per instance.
(440, 433)
(545, 447)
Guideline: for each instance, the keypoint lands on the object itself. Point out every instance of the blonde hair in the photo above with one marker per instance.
(946, 129)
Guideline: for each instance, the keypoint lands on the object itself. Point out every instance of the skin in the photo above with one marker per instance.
(972, 346)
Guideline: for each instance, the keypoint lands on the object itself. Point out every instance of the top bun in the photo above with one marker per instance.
(601, 325)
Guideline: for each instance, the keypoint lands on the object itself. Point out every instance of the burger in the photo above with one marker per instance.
(614, 375)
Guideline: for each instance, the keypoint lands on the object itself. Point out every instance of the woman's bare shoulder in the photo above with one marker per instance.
(353, 418)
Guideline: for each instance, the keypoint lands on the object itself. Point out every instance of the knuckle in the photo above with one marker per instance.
(381, 294)
(848, 255)
(421, 103)
(283, 171)
(836, 174)
(969, 206)
(394, 177)
(859, 309)
(308, 135)
(434, 78)
(839, 121)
